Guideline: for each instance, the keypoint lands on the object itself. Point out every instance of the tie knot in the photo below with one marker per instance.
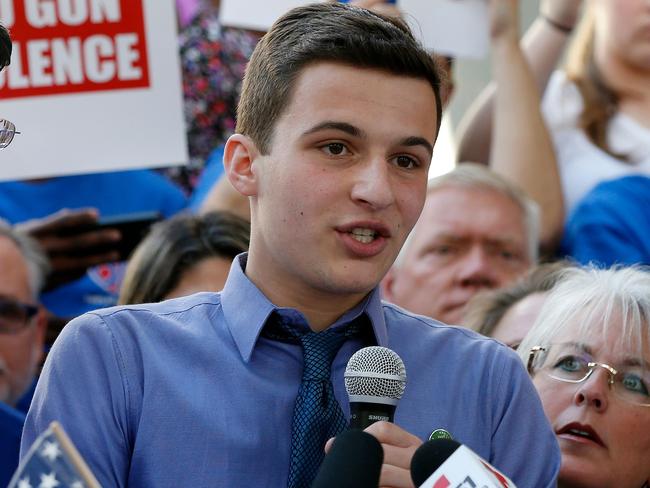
(319, 350)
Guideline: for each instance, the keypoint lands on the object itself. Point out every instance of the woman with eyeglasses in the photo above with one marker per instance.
(589, 357)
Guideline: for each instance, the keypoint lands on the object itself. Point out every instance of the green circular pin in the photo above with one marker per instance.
(439, 434)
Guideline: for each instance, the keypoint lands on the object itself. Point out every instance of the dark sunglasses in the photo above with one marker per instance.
(15, 315)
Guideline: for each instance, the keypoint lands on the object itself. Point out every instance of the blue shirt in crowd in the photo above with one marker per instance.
(611, 225)
(11, 426)
(188, 393)
(12, 420)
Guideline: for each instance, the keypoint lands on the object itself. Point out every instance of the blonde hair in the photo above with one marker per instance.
(600, 103)
(595, 300)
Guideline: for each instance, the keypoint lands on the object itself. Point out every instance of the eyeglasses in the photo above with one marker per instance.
(571, 364)
(7, 132)
(15, 315)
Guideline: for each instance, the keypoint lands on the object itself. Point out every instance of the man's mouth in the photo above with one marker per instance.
(365, 236)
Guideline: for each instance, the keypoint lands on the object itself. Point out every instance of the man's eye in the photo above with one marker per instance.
(509, 255)
(334, 148)
(442, 250)
(406, 162)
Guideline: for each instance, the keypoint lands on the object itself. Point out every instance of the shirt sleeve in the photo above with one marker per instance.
(82, 387)
(524, 445)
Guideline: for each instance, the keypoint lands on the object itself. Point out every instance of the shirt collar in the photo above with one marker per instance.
(246, 310)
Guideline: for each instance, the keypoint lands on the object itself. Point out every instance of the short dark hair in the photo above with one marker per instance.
(5, 47)
(174, 246)
(324, 31)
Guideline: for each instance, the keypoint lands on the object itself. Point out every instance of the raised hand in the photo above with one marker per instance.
(72, 243)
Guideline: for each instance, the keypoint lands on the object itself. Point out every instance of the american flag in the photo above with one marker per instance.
(53, 462)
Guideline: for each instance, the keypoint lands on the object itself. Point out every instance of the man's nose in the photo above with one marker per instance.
(476, 269)
(373, 185)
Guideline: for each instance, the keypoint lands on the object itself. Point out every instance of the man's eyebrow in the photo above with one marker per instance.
(340, 126)
(417, 141)
(356, 132)
(450, 237)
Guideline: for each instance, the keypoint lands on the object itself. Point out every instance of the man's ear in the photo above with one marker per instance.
(239, 155)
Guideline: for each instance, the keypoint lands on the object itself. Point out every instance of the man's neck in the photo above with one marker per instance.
(321, 309)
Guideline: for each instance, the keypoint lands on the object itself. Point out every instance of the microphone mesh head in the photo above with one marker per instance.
(375, 371)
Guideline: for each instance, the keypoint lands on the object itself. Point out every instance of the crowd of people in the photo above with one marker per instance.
(305, 228)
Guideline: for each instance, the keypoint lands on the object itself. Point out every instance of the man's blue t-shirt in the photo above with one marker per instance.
(611, 225)
(111, 194)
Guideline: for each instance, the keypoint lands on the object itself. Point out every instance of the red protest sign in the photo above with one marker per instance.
(74, 46)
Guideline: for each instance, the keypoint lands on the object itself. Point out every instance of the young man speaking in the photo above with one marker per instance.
(338, 116)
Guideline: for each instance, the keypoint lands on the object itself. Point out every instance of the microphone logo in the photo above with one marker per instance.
(440, 434)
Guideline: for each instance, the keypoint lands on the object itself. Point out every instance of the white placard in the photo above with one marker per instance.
(457, 28)
(255, 14)
(91, 89)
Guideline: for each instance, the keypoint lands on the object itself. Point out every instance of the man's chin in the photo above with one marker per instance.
(453, 315)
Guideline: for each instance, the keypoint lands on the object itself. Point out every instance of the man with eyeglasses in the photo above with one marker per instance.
(22, 332)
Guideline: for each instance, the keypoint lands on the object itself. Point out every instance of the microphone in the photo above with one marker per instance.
(353, 462)
(443, 463)
(375, 379)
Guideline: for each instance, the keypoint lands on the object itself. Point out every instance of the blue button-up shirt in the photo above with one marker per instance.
(188, 393)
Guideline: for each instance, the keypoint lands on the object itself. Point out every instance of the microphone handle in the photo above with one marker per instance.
(363, 414)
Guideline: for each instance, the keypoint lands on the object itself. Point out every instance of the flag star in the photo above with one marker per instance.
(51, 451)
(48, 481)
(24, 483)
(77, 484)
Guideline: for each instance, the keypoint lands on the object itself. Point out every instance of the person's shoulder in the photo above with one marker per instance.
(633, 186)
(430, 346)
(610, 225)
(421, 329)
(176, 313)
(171, 307)
(629, 195)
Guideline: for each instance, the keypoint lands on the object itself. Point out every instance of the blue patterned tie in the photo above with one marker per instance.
(317, 415)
